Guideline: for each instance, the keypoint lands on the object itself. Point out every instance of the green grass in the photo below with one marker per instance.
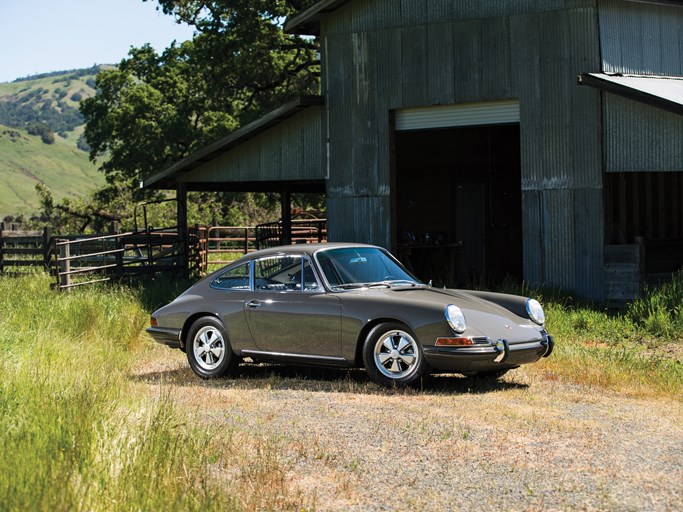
(636, 351)
(79, 430)
(25, 161)
(74, 433)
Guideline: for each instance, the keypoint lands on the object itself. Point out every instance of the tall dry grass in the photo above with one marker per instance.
(73, 433)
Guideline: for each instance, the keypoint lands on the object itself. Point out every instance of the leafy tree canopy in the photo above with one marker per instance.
(156, 109)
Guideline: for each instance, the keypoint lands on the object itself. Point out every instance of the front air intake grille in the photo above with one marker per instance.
(480, 340)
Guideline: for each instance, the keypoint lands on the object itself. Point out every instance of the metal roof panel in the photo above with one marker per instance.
(658, 91)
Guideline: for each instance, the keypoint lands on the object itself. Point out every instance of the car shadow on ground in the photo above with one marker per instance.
(323, 379)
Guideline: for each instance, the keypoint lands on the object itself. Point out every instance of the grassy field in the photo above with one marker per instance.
(25, 160)
(83, 428)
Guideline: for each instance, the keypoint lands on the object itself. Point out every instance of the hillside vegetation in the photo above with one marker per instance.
(40, 128)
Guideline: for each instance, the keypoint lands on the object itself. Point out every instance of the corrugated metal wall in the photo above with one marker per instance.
(641, 138)
(641, 38)
(456, 52)
(291, 150)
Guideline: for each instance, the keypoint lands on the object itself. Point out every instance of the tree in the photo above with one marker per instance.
(42, 130)
(155, 109)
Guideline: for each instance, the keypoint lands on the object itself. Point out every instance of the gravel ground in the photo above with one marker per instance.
(524, 443)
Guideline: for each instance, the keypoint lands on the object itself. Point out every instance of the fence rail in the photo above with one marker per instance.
(77, 260)
(21, 249)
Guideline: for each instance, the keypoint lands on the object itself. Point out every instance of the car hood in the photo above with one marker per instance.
(484, 317)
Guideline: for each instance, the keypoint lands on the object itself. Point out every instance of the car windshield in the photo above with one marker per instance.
(357, 267)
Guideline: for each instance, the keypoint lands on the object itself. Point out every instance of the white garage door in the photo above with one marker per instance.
(461, 114)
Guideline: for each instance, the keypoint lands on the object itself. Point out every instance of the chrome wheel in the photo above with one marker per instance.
(208, 346)
(396, 354)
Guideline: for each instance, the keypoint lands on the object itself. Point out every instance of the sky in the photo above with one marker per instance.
(40, 36)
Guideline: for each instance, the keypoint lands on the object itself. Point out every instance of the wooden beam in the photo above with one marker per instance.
(181, 196)
(286, 215)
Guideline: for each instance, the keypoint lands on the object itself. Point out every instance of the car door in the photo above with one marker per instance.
(229, 290)
(289, 312)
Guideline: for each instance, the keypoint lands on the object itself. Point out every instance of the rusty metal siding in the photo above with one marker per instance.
(560, 149)
(531, 54)
(639, 38)
(641, 138)
(413, 12)
(414, 65)
(293, 150)
(563, 241)
(440, 64)
(361, 16)
(560, 122)
(467, 59)
(360, 219)
(495, 59)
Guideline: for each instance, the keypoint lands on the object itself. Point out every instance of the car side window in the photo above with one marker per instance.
(310, 283)
(284, 273)
(236, 278)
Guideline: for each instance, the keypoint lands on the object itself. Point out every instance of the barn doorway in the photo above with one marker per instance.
(457, 203)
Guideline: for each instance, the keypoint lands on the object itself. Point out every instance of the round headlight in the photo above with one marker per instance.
(535, 311)
(455, 318)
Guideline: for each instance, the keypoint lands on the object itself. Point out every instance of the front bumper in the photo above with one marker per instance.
(495, 355)
(166, 336)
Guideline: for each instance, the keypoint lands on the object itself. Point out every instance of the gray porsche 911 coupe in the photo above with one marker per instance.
(347, 305)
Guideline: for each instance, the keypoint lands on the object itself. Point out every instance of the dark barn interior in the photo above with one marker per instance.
(645, 209)
(458, 209)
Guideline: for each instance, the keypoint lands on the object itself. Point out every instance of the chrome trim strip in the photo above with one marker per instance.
(288, 354)
(482, 349)
(526, 346)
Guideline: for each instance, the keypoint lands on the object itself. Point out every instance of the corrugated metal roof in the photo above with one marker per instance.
(307, 22)
(210, 152)
(661, 92)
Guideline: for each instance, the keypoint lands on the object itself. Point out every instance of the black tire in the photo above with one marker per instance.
(208, 349)
(393, 357)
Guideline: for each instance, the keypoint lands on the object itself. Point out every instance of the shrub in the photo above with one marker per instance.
(40, 129)
(660, 311)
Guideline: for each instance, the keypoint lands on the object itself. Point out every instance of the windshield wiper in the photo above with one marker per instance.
(350, 286)
(393, 282)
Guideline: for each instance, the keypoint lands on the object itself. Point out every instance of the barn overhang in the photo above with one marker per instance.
(657, 91)
(281, 150)
(307, 22)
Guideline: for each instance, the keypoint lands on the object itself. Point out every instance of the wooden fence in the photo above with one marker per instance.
(77, 260)
(23, 249)
(87, 260)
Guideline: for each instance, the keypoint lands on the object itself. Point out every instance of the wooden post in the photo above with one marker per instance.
(47, 240)
(2, 248)
(286, 213)
(181, 196)
(120, 244)
(63, 275)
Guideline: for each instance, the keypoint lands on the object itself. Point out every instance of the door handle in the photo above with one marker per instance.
(253, 304)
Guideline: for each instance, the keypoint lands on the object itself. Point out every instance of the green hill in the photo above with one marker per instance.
(33, 112)
(25, 160)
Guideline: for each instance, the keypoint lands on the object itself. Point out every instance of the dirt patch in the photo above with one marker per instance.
(524, 443)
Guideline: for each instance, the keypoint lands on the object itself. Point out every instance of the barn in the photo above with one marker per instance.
(541, 140)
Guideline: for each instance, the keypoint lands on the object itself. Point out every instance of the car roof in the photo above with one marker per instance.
(298, 249)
